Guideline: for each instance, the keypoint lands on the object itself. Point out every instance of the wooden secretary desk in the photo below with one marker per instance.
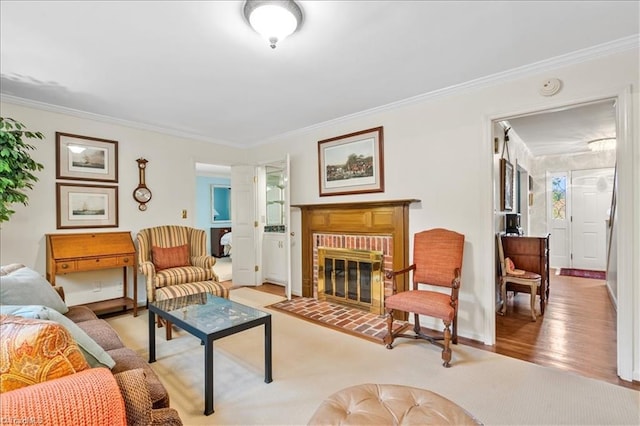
(68, 253)
(530, 254)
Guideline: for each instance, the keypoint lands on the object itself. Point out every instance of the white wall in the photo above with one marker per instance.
(438, 149)
(170, 175)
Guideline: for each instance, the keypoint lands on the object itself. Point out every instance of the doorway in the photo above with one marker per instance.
(546, 167)
(213, 214)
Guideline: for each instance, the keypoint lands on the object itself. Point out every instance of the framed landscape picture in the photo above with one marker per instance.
(352, 163)
(86, 206)
(86, 158)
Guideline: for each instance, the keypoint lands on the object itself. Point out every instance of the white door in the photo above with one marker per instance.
(287, 221)
(243, 216)
(558, 191)
(591, 199)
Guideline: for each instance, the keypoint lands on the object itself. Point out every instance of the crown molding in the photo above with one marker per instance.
(30, 103)
(576, 57)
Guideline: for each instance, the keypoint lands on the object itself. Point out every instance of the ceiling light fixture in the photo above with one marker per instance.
(273, 20)
(602, 144)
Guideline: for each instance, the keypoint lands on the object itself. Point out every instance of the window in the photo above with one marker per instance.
(559, 197)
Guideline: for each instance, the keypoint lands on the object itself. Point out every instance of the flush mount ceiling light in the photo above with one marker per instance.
(273, 20)
(602, 144)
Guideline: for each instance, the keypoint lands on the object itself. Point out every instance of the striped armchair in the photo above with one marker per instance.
(197, 266)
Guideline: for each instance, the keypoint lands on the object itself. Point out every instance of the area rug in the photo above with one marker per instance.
(583, 273)
(348, 320)
(310, 363)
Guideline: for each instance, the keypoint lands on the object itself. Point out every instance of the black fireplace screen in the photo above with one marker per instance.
(348, 279)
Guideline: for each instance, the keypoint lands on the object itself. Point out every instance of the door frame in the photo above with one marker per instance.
(625, 209)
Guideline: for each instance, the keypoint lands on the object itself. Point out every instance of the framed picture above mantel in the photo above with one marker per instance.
(352, 163)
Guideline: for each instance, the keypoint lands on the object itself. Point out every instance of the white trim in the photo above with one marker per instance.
(628, 351)
(110, 120)
(587, 54)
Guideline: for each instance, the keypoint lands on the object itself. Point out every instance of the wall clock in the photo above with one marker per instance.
(142, 194)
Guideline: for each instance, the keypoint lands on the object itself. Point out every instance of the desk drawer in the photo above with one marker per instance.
(97, 263)
(126, 260)
(66, 266)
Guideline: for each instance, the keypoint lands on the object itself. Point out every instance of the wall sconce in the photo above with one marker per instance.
(273, 20)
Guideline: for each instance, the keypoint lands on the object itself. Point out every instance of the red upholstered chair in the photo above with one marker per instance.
(437, 261)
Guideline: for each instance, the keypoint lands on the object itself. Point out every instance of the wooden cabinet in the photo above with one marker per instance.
(530, 254)
(217, 249)
(274, 258)
(68, 253)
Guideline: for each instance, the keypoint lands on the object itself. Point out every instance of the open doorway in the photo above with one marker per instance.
(213, 214)
(543, 146)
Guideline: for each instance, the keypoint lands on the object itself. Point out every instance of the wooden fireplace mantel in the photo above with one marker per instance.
(389, 217)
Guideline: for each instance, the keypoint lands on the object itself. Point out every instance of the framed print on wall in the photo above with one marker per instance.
(506, 184)
(86, 158)
(352, 163)
(86, 206)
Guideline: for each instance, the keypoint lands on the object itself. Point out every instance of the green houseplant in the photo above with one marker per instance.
(16, 165)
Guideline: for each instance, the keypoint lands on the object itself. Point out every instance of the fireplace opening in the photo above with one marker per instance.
(352, 277)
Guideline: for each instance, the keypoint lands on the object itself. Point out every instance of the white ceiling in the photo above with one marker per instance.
(566, 130)
(195, 68)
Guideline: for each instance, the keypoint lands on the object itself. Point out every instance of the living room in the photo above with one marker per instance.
(438, 148)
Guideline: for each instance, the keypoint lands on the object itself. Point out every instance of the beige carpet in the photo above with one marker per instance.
(223, 268)
(310, 362)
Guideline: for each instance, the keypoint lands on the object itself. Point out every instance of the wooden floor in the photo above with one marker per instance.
(577, 332)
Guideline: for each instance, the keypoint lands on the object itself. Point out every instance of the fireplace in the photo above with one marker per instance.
(378, 226)
(352, 277)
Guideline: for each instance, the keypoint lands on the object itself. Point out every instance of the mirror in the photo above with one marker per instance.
(220, 203)
(275, 195)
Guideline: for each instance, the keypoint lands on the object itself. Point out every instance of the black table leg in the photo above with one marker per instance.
(208, 377)
(152, 336)
(267, 350)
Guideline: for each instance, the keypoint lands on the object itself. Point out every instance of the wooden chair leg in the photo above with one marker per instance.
(534, 289)
(167, 333)
(454, 336)
(446, 350)
(503, 291)
(388, 339)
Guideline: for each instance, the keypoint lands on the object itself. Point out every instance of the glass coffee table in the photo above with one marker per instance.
(209, 318)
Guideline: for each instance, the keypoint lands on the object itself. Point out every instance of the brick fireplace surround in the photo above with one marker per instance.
(379, 225)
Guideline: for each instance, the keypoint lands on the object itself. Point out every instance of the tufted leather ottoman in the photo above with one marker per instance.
(372, 404)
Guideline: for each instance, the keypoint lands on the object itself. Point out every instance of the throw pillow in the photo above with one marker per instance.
(93, 352)
(25, 286)
(35, 351)
(511, 267)
(170, 257)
